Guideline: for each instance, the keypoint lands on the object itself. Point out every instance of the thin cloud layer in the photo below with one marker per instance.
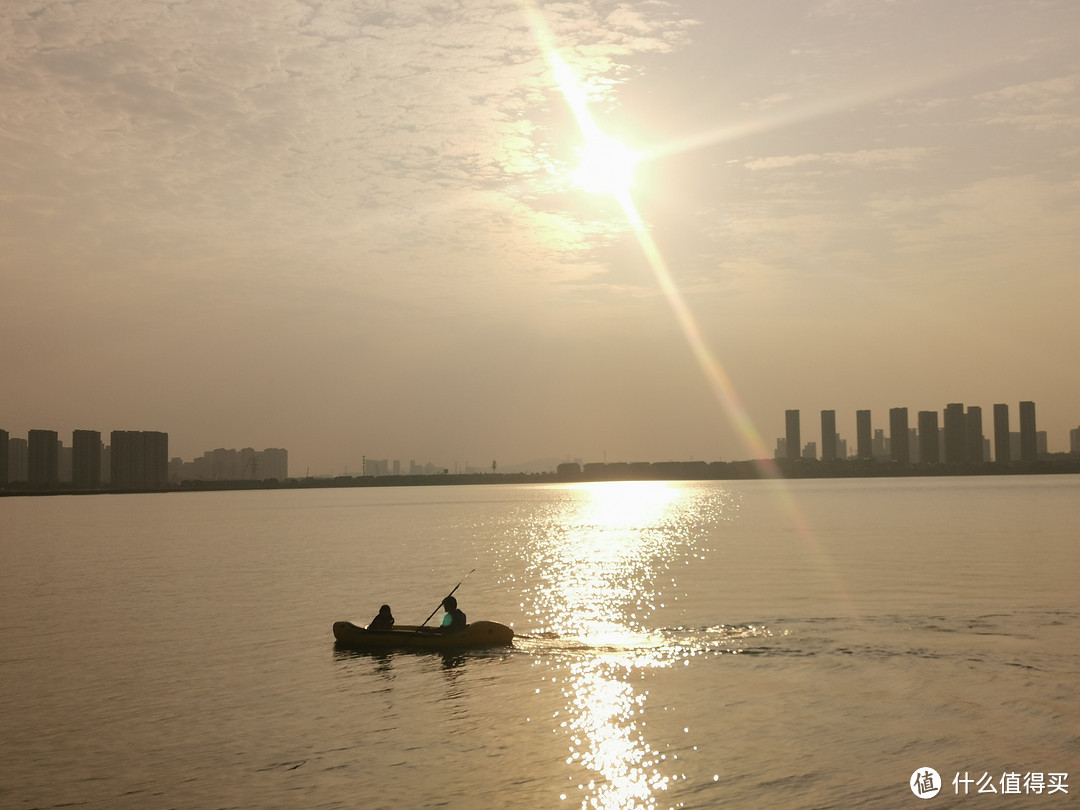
(317, 127)
(239, 221)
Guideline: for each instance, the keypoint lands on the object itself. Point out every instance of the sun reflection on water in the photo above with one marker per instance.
(629, 504)
(598, 561)
(607, 740)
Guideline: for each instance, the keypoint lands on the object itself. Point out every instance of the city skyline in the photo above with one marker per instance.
(131, 460)
(960, 436)
(514, 230)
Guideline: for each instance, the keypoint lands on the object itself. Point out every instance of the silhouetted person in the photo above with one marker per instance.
(384, 621)
(454, 620)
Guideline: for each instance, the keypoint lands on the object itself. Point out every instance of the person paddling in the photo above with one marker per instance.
(454, 621)
(384, 621)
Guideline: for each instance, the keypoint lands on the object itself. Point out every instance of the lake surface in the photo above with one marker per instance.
(684, 645)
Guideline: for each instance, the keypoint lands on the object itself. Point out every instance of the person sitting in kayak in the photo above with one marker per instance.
(384, 621)
(454, 620)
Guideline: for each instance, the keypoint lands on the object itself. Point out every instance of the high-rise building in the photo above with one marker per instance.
(828, 436)
(898, 435)
(864, 434)
(973, 435)
(43, 460)
(86, 459)
(260, 465)
(1028, 441)
(232, 465)
(794, 440)
(140, 459)
(18, 459)
(275, 463)
(955, 436)
(1001, 434)
(250, 464)
(928, 437)
(63, 463)
(881, 445)
(1074, 441)
(3, 458)
(376, 466)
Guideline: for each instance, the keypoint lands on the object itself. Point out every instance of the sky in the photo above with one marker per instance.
(364, 228)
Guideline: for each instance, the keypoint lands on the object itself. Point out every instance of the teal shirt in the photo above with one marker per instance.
(454, 621)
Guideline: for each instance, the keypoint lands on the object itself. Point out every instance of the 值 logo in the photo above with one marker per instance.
(925, 783)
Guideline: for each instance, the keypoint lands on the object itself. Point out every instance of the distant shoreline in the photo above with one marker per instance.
(596, 473)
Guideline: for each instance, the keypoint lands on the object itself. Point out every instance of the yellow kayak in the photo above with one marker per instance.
(409, 637)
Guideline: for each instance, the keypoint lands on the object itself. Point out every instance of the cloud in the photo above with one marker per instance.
(992, 224)
(770, 102)
(900, 157)
(1043, 105)
(221, 85)
(329, 196)
(856, 9)
(386, 138)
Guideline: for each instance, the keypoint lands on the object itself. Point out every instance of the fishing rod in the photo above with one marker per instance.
(428, 619)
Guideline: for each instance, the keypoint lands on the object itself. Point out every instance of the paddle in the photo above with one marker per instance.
(428, 619)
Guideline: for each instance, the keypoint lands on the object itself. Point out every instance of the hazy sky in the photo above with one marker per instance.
(352, 228)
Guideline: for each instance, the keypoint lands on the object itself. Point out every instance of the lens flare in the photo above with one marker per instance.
(606, 166)
(609, 169)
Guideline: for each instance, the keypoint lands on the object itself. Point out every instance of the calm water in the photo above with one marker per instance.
(746, 644)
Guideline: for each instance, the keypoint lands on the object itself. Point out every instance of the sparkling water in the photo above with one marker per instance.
(685, 645)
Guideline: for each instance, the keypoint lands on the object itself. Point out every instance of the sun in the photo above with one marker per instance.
(606, 166)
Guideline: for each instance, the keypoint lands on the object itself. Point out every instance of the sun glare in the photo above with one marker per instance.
(606, 166)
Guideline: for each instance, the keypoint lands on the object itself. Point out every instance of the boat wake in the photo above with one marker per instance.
(869, 638)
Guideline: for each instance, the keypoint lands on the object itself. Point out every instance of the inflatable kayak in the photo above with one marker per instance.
(408, 637)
